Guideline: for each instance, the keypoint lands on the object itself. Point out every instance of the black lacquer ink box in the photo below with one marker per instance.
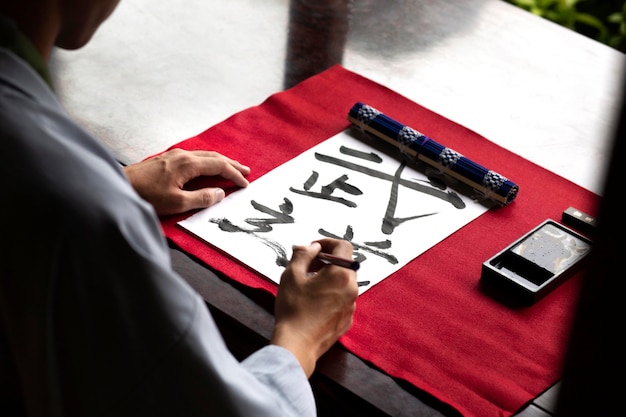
(538, 262)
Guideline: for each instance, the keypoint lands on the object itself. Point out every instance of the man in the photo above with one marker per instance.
(93, 320)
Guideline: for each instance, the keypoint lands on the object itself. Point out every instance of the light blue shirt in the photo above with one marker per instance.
(93, 320)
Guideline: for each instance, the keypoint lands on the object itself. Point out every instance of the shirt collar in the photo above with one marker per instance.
(11, 38)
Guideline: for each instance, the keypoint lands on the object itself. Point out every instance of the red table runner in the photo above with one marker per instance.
(429, 323)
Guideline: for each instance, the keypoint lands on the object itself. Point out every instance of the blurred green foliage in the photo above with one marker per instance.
(602, 20)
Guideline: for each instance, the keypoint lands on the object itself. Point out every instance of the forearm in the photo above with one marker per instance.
(302, 349)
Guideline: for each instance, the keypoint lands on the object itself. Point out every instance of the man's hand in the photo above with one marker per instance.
(160, 180)
(314, 309)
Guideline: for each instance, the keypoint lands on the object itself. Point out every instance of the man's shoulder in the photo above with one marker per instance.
(18, 81)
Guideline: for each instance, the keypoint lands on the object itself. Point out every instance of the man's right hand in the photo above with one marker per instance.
(313, 309)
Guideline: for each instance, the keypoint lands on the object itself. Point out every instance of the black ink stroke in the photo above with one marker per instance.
(348, 235)
(279, 217)
(448, 196)
(368, 156)
(311, 180)
(226, 226)
(263, 226)
(389, 221)
(327, 190)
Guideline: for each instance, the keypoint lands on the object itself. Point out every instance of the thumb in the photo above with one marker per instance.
(204, 198)
(303, 256)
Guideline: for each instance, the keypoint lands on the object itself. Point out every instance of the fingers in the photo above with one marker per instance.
(303, 262)
(209, 163)
(198, 199)
(336, 247)
(161, 180)
(313, 312)
(303, 257)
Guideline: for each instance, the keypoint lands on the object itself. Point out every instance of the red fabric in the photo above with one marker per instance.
(429, 323)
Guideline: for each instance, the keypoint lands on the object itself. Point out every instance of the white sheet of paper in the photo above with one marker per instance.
(341, 188)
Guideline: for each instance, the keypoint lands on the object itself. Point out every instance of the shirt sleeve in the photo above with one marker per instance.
(199, 377)
(279, 369)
